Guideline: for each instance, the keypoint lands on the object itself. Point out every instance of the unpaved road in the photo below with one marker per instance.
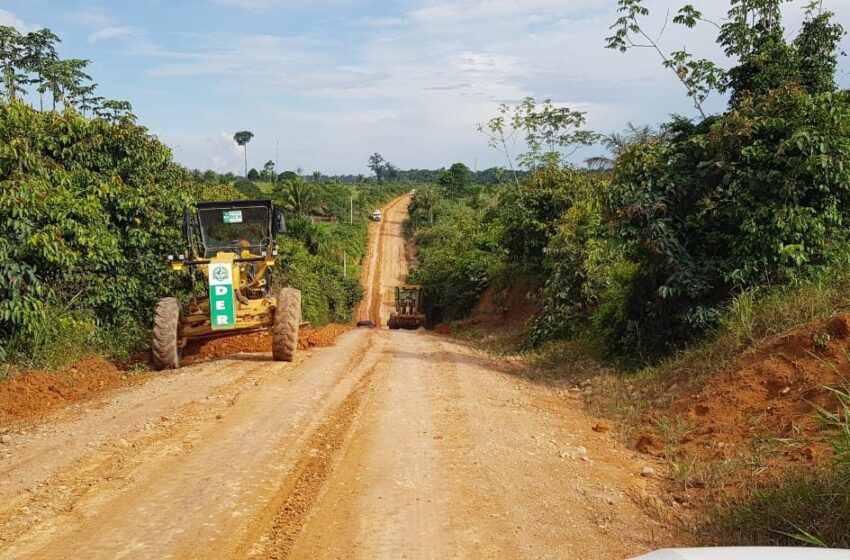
(391, 444)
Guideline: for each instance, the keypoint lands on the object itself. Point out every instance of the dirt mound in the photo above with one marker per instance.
(758, 419)
(258, 342)
(321, 337)
(30, 394)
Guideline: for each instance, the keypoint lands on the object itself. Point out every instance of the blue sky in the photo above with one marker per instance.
(332, 81)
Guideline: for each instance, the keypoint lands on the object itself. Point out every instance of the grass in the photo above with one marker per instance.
(752, 318)
(805, 509)
(65, 337)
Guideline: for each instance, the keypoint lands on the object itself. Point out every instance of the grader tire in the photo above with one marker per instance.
(287, 321)
(165, 346)
(392, 323)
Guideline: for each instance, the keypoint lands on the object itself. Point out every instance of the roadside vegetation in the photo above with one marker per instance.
(688, 244)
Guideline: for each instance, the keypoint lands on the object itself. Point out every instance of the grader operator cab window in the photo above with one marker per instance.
(235, 230)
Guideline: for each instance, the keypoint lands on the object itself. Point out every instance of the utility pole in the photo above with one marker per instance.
(345, 265)
(276, 155)
(350, 209)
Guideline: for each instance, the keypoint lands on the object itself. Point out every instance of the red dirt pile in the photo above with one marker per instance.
(32, 393)
(759, 419)
(258, 342)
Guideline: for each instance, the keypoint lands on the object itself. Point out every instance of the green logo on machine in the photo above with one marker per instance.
(232, 216)
(222, 301)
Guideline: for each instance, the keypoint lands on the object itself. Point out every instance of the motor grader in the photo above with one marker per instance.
(232, 246)
(408, 309)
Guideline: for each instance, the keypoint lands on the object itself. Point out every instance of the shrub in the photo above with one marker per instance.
(459, 257)
(87, 214)
(757, 196)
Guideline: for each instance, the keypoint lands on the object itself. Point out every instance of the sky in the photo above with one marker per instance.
(325, 83)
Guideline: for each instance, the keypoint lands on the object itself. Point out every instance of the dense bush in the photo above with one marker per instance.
(87, 214)
(327, 296)
(755, 197)
(459, 257)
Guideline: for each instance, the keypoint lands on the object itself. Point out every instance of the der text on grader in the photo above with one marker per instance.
(233, 245)
(408, 309)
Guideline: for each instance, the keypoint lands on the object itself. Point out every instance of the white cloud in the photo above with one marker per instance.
(9, 19)
(414, 85)
(112, 32)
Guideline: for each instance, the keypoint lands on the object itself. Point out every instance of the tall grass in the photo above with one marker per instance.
(66, 335)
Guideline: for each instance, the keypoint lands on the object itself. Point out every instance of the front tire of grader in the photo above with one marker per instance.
(165, 346)
(287, 321)
(392, 323)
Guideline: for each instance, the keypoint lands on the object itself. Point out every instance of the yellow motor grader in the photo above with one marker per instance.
(408, 309)
(232, 245)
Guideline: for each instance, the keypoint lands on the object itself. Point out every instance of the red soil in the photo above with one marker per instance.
(759, 419)
(258, 342)
(30, 394)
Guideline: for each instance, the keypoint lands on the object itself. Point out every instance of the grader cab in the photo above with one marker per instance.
(232, 246)
(408, 309)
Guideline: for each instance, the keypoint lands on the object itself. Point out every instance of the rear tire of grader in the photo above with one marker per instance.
(165, 346)
(287, 322)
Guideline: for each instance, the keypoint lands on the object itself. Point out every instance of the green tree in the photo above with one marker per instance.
(456, 180)
(253, 175)
(550, 134)
(617, 142)
(12, 57)
(242, 138)
(268, 171)
(426, 200)
(376, 164)
(297, 197)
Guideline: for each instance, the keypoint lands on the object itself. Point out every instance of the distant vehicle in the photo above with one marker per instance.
(747, 553)
(408, 309)
(377, 216)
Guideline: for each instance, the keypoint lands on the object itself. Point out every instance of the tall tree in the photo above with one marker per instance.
(242, 138)
(456, 180)
(40, 50)
(376, 164)
(12, 52)
(268, 171)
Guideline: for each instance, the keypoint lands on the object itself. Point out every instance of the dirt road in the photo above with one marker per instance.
(389, 445)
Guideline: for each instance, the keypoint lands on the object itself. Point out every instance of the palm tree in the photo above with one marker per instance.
(242, 138)
(427, 199)
(297, 197)
(617, 143)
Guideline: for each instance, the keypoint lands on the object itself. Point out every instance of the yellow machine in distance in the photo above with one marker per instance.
(232, 245)
(408, 309)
